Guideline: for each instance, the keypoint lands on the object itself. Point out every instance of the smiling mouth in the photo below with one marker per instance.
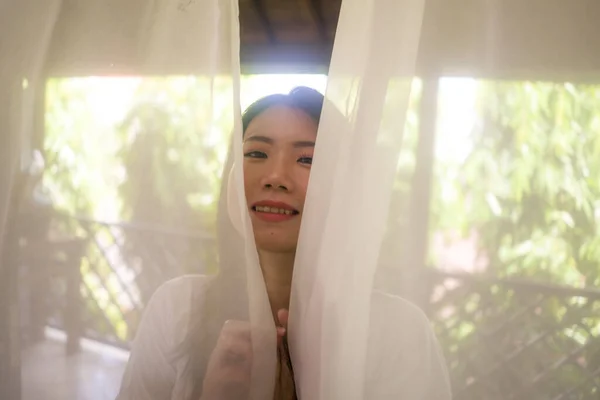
(274, 210)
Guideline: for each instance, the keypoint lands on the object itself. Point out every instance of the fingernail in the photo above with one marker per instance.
(280, 330)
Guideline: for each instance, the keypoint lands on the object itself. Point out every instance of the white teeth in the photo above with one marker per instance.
(273, 210)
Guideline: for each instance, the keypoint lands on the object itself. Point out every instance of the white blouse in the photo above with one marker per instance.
(151, 373)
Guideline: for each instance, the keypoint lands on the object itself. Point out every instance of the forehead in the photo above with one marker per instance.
(282, 123)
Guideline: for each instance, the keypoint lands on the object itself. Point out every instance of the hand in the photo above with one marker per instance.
(228, 370)
(230, 364)
(282, 318)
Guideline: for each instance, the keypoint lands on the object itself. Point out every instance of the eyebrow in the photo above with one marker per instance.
(264, 139)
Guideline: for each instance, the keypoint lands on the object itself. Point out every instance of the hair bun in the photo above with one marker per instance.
(305, 90)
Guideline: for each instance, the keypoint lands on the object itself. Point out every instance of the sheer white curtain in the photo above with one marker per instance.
(339, 331)
(25, 31)
(348, 339)
(335, 329)
(343, 230)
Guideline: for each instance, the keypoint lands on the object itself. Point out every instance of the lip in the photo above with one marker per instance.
(268, 217)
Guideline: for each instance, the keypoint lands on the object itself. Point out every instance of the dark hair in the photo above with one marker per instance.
(301, 98)
(203, 333)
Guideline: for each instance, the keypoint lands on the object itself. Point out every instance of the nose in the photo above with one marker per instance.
(277, 176)
(270, 186)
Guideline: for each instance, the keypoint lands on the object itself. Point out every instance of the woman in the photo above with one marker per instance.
(202, 351)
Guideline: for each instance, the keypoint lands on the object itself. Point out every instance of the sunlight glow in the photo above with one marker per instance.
(456, 118)
(108, 100)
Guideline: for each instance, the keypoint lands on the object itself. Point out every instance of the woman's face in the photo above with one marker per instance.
(278, 151)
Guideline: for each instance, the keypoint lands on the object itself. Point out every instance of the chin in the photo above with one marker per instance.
(275, 242)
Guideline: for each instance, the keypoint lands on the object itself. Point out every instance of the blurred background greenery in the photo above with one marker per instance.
(515, 194)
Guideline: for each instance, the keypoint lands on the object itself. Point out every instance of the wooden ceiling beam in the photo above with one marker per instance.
(314, 7)
(490, 40)
(264, 19)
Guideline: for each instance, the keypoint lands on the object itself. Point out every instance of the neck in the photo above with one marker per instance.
(277, 269)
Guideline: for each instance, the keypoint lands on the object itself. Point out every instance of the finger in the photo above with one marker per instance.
(234, 390)
(237, 329)
(234, 345)
(283, 316)
(280, 334)
(234, 334)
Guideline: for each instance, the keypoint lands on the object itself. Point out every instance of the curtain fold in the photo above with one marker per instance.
(346, 338)
(333, 317)
(25, 31)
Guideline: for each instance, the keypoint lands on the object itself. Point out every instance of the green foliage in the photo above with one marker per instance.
(75, 149)
(176, 136)
(530, 186)
(173, 154)
(529, 189)
(508, 341)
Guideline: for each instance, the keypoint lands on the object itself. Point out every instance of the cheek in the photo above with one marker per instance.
(302, 183)
(250, 177)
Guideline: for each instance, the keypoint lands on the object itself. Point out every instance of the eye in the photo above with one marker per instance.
(305, 160)
(255, 154)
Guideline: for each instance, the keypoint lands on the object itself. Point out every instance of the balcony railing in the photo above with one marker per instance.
(503, 339)
(508, 339)
(116, 266)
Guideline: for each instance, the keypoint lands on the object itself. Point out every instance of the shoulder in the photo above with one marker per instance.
(169, 310)
(399, 305)
(153, 370)
(411, 352)
(176, 288)
(399, 319)
(177, 291)
(397, 312)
